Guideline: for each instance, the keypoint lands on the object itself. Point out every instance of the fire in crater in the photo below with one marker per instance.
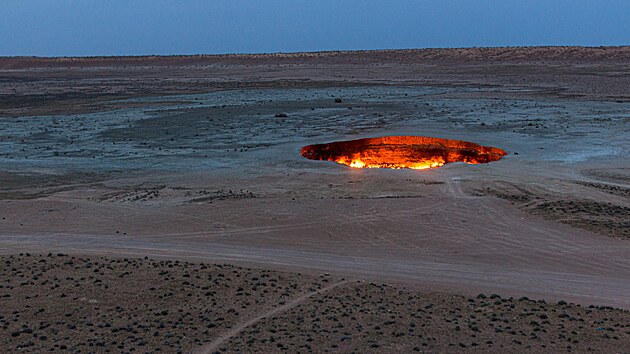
(415, 152)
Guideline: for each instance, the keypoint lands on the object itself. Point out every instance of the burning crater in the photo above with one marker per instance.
(415, 152)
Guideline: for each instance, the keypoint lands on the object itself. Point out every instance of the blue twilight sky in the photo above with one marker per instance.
(135, 27)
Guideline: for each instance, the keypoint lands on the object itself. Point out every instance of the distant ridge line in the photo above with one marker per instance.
(466, 55)
(325, 52)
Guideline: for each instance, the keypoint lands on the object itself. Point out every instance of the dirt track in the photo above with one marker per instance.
(447, 240)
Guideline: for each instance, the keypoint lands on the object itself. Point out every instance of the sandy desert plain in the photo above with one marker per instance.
(161, 204)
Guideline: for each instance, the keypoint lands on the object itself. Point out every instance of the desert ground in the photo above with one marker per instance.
(161, 203)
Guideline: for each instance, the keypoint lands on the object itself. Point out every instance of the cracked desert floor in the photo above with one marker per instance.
(133, 164)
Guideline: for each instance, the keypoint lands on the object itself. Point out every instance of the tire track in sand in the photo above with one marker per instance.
(239, 327)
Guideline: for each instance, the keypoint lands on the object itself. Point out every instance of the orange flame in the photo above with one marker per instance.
(357, 162)
(396, 152)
